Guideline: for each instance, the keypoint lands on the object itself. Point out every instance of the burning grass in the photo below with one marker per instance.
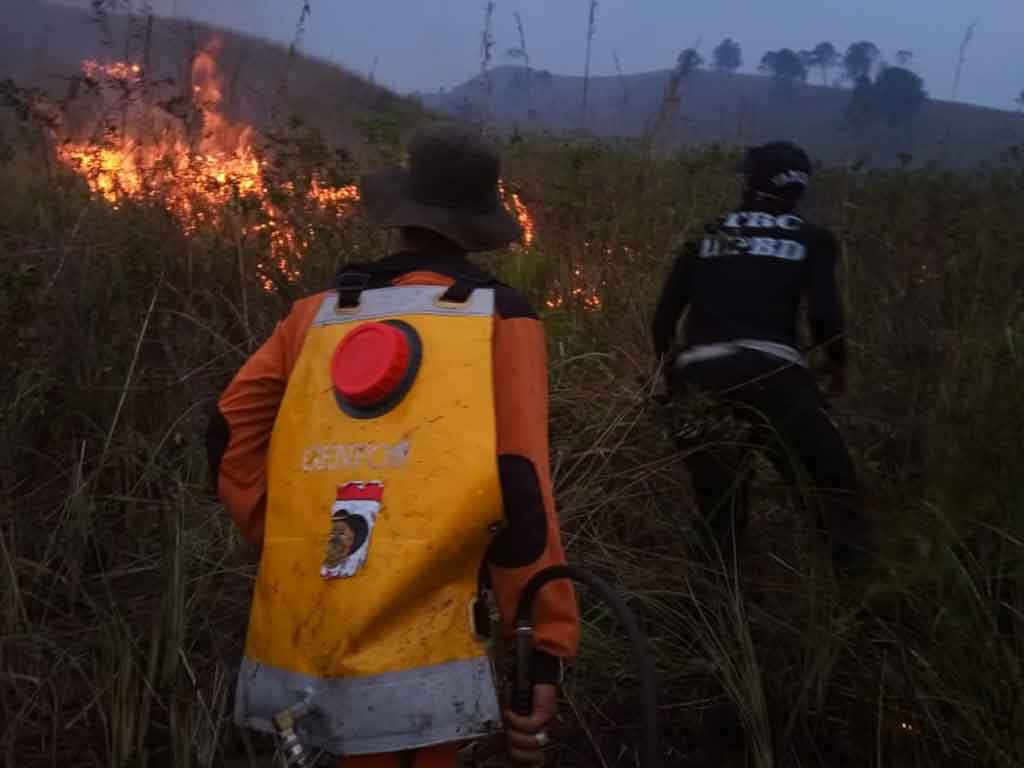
(189, 157)
(120, 71)
(194, 174)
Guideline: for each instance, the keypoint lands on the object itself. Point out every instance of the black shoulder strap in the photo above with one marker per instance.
(355, 279)
(350, 285)
(459, 291)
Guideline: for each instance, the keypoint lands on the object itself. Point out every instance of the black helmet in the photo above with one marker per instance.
(781, 169)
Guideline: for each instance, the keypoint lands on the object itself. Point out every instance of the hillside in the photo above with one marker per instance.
(736, 109)
(47, 43)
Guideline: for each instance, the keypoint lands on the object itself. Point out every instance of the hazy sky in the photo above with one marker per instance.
(423, 44)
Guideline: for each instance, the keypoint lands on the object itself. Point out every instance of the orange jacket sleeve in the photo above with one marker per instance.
(531, 540)
(246, 412)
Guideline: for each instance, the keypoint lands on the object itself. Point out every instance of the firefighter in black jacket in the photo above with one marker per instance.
(743, 283)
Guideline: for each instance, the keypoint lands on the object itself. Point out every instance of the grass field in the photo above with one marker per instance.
(125, 589)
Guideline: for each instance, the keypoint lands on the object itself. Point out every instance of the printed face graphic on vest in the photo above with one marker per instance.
(353, 516)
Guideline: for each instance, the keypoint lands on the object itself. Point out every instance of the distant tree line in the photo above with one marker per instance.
(882, 92)
(896, 97)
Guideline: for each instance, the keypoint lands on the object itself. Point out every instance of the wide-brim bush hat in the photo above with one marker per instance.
(450, 186)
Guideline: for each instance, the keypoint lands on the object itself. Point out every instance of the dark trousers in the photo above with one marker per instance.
(786, 417)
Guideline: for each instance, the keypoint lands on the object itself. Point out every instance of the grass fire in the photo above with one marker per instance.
(172, 190)
(188, 156)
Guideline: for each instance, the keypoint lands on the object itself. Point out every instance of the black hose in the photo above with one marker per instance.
(523, 692)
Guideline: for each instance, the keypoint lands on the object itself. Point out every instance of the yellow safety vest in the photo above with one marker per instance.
(376, 528)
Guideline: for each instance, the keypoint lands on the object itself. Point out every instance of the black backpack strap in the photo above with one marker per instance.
(356, 278)
(350, 286)
(463, 287)
(458, 292)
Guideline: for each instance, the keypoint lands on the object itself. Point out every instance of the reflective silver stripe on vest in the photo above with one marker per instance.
(405, 300)
(711, 351)
(383, 713)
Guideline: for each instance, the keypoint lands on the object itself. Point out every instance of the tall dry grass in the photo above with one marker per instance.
(125, 589)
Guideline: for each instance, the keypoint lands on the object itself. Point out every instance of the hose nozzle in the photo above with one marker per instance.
(295, 753)
(522, 693)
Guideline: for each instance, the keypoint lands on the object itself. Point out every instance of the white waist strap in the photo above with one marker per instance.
(710, 351)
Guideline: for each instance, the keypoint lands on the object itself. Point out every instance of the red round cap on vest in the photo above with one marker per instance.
(370, 364)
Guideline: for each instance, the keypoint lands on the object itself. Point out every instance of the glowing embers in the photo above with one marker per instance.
(578, 291)
(116, 70)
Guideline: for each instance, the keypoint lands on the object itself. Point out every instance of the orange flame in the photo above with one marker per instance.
(194, 178)
(521, 213)
(117, 70)
(341, 199)
(194, 161)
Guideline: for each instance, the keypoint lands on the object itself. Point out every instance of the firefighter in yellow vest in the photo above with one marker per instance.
(387, 449)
